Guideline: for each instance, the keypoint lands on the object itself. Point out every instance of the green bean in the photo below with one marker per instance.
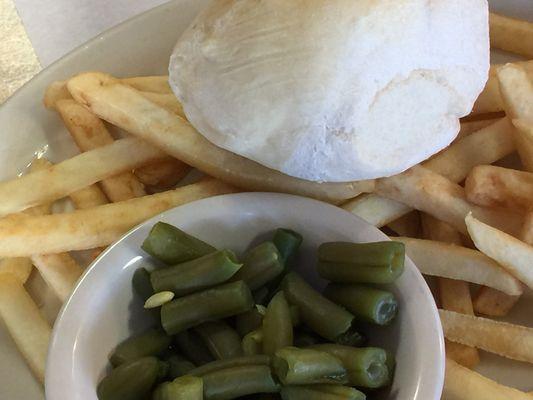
(235, 382)
(261, 265)
(321, 392)
(193, 348)
(248, 321)
(261, 295)
(195, 275)
(141, 283)
(252, 343)
(178, 366)
(326, 318)
(344, 262)
(287, 242)
(132, 380)
(221, 339)
(366, 303)
(294, 366)
(150, 343)
(172, 246)
(211, 304)
(367, 367)
(230, 363)
(305, 339)
(277, 325)
(183, 388)
(295, 315)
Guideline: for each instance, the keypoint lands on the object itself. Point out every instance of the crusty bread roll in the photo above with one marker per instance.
(332, 90)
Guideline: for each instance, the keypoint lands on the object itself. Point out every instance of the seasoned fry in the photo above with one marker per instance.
(492, 186)
(75, 173)
(168, 101)
(128, 109)
(90, 196)
(456, 262)
(464, 384)
(153, 84)
(510, 34)
(485, 146)
(163, 174)
(430, 192)
(407, 225)
(492, 302)
(507, 340)
(454, 295)
(27, 327)
(94, 227)
(512, 254)
(89, 133)
(19, 266)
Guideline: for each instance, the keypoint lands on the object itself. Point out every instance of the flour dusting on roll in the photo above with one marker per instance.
(332, 90)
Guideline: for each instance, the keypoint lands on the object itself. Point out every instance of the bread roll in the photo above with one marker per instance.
(332, 90)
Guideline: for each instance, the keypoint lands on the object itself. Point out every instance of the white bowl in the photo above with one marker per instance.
(102, 310)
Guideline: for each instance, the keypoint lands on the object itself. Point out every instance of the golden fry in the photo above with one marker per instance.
(59, 271)
(168, 101)
(527, 229)
(492, 186)
(492, 302)
(128, 109)
(407, 225)
(464, 355)
(510, 34)
(19, 266)
(54, 92)
(94, 227)
(469, 127)
(26, 325)
(456, 262)
(376, 210)
(464, 384)
(163, 174)
(90, 196)
(432, 193)
(524, 142)
(152, 84)
(504, 339)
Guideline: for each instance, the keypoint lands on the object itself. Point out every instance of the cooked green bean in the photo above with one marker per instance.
(295, 315)
(230, 363)
(193, 347)
(235, 382)
(277, 325)
(261, 295)
(252, 343)
(150, 343)
(261, 265)
(178, 366)
(132, 380)
(195, 275)
(344, 262)
(320, 314)
(367, 367)
(172, 246)
(141, 283)
(183, 388)
(321, 392)
(294, 366)
(211, 304)
(287, 242)
(366, 303)
(221, 339)
(305, 339)
(248, 321)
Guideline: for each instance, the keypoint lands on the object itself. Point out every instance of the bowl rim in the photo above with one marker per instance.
(56, 339)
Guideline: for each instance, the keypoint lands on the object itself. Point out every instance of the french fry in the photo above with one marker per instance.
(490, 100)
(90, 196)
(454, 295)
(527, 229)
(485, 146)
(407, 225)
(94, 227)
(492, 302)
(59, 271)
(54, 92)
(168, 101)
(510, 34)
(492, 186)
(90, 133)
(460, 263)
(26, 325)
(524, 142)
(432, 193)
(20, 267)
(462, 383)
(153, 84)
(504, 339)
(162, 174)
(128, 109)
(469, 127)
(512, 254)
(75, 173)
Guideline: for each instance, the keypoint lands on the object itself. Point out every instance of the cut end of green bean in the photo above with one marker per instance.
(351, 337)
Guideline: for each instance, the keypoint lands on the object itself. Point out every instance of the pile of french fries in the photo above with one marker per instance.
(463, 220)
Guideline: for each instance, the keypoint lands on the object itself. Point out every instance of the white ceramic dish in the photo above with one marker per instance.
(141, 46)
(94, 321)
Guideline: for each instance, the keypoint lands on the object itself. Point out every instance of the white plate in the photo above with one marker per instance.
(142, 46)
(91, 326)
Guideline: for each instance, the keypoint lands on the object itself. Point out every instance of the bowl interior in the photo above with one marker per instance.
(102, 310)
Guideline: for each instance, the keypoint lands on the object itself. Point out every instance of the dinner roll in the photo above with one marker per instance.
(332, 90)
